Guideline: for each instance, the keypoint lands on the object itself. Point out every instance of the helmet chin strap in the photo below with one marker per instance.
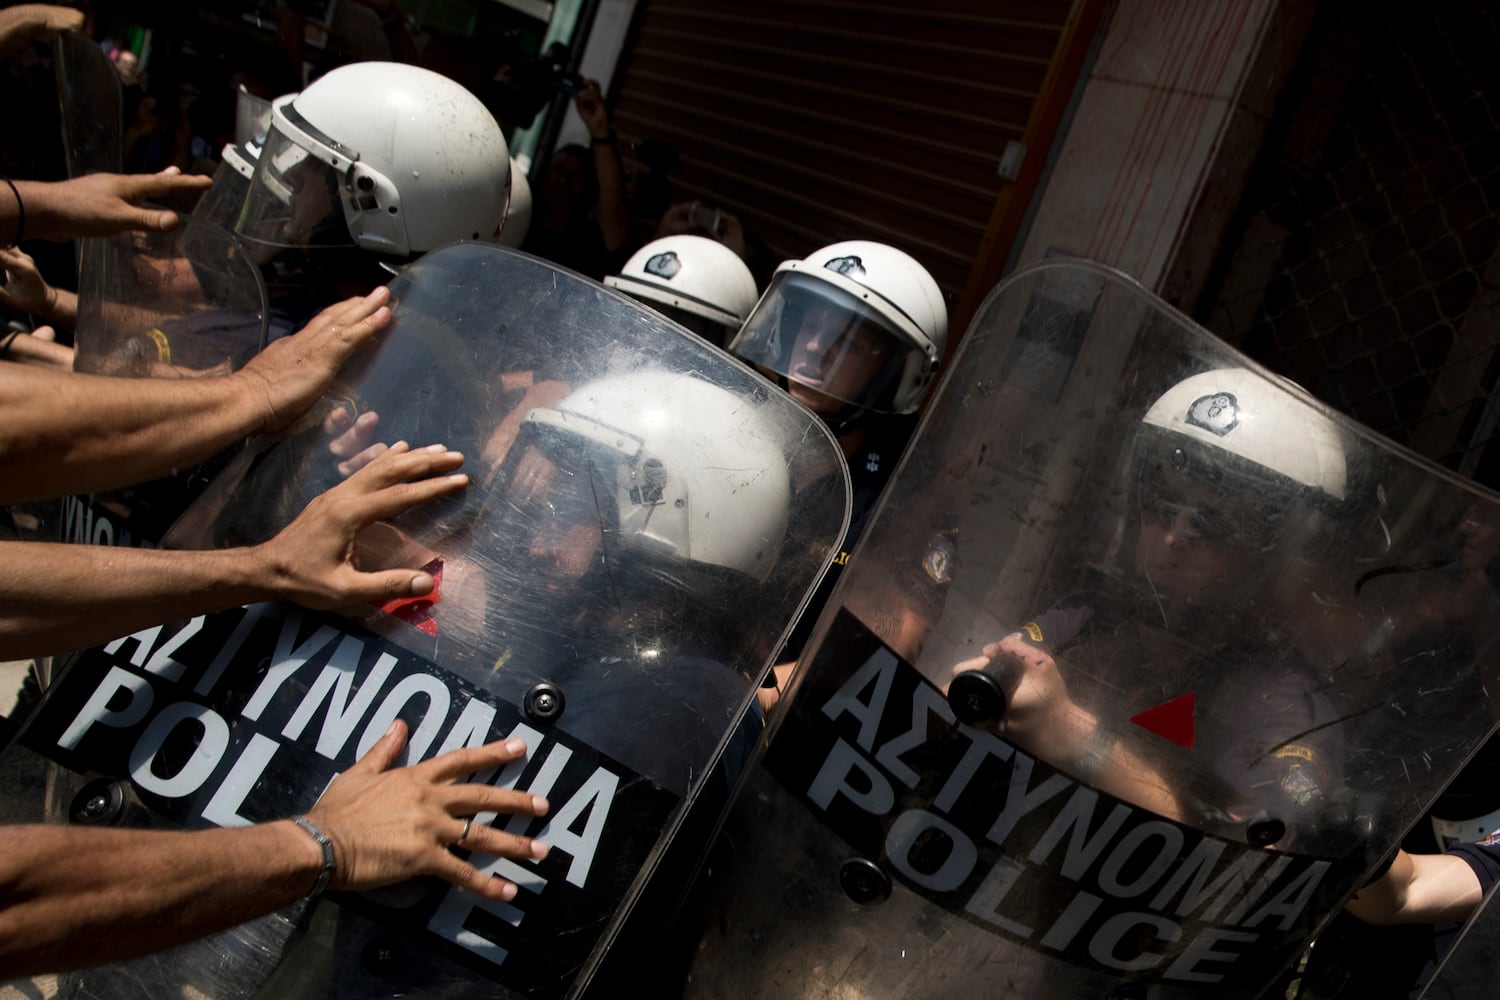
(851, 416)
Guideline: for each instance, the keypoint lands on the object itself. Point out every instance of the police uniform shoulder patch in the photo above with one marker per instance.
(1305, 775)
(942, 551)
(1218, 414)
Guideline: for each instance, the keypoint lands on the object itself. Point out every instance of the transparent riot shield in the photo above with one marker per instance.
(644, 519)
(252, 117)
(89, 93)
(221, 204)
(1472, 966)
(148, 308)
(152, 309)
(91, 103)
(1141, 667)
(218, 209)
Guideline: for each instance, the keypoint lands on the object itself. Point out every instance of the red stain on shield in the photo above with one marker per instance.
(418, 610)
(1172, 720)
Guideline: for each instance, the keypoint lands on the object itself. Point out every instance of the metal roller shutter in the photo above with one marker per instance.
(821, 120)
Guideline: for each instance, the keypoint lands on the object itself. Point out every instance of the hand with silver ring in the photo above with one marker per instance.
(391, 823)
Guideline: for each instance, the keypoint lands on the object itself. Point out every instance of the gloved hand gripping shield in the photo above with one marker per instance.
(1119, 695)
(645, 517)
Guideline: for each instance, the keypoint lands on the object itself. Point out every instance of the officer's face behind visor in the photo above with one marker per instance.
(293, 200)
(1207, 520)
(556, 499)
(834, 351)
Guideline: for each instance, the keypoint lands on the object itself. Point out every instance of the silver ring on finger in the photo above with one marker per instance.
(468, 822)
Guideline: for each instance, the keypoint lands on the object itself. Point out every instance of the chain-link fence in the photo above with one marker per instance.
(1364, 263)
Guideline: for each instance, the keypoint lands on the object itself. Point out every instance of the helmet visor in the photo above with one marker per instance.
(294, 199)
(556, 505)
(834, 351)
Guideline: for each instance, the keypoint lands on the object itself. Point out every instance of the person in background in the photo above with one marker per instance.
(579, 218)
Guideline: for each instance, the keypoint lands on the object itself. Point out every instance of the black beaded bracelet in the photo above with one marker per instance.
(20, 214)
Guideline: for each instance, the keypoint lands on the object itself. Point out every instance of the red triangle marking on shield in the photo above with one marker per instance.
(418, 611)
(1172, 720)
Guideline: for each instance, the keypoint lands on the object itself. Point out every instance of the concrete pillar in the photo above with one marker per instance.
(1165, 129)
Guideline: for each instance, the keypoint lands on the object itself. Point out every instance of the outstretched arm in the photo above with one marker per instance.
(1419, 889)
(36, 348)
(614, 221)
(62, 432)
(92, 205)
(56, 597)
(25, 21)
(25, 290)
(73, 896)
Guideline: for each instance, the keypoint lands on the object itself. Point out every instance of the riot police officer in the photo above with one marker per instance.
(855, 332)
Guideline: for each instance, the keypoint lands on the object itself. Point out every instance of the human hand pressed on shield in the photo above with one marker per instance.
(285, 379)
(392, 823)
(104, 204)
(314, 561)
(351, 439)
(25, 290)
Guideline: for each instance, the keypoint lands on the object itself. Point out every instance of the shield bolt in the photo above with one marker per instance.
(1265, 832)
(544, 702)
(101, 801)
(863, 881)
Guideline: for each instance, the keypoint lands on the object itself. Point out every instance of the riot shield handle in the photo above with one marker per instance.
(976, 698)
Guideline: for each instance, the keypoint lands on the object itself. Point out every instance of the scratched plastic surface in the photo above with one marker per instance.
(645, 517)
(1202, 747)
(91, 105)
(1472, 966)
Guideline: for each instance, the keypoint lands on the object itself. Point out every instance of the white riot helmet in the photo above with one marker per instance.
(695, 473)
(518, 215)
(860, 322)
(693, 280)
(393, 159)
(1238, 461)
(1256, 419)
